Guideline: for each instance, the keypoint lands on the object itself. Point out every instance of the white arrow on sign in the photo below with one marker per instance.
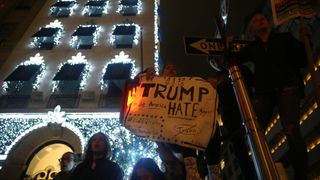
(205, 46)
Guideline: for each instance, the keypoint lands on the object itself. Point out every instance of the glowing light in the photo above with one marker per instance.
(75, 39)
(72, 8)
(121, 58)
(36, 60)
(123, 7)
(279, 144)
(78, 59)
(55, 24)
(15, 126)
(136, 34)
(57, 116)
(87, 9)
(156, 37)
(37, 41)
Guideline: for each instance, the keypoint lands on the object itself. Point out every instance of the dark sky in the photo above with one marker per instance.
(179, 19)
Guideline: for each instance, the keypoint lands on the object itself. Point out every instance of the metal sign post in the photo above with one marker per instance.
(263, 162)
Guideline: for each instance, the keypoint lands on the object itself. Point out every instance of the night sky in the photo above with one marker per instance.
(181, 19)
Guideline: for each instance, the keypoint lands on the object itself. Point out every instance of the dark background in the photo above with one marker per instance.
(179, 19)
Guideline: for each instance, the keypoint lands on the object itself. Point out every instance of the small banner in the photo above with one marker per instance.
(178, 110)
(284, 10)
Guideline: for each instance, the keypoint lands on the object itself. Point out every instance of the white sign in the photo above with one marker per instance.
(179, 110)
(284, 10)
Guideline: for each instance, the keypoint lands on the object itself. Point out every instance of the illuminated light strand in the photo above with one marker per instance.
(279, 144)
(303, 118)
(271, 125)
(313, 144)
(72, 8)
(35, 60)
(105, 8)
(156, 37)
(78, 59)
(96, 33)
(124, 144)
(56, 37)
(136, 34)
(139, 7)
(308, 75)
(121, 58)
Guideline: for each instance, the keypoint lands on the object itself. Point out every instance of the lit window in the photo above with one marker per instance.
(95, 8)
(63, 9)
(118, 71)
(72, 75)
(44, 38)
(119, 68)
(129, 7)
(85, 37)
(69, 77)
(26, 77)
(22, 78)
(47, 37)
(114, 79)
(124, 36)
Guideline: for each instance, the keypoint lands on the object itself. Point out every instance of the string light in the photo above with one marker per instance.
(136, 34)
(123, 7)
(37, 41)
(121, 58)
(72, 8)
(95, 35)
(87, 9)
(156, 37)
(127, 148)
(35, 60)
(78, 59)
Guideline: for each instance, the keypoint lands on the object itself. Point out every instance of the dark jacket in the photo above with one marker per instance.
(105, 170)
(276, 62)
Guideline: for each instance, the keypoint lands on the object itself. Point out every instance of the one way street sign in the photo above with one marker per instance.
(210, 46)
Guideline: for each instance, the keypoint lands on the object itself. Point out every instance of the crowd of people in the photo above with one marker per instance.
(276, 80)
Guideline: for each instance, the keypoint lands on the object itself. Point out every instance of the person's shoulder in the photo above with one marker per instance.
(282, 35)
(112, 164)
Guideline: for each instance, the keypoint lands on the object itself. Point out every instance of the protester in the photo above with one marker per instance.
(277, 58)
(146, 169)
(67, 163)
(190, 158)
(97, 164)
(173, 165)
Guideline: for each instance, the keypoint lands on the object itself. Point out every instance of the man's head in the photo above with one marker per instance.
(259, 24)
(67, 162)
(169, 71)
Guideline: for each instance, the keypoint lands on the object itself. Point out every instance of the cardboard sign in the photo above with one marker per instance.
(178, 110)
(284, 10)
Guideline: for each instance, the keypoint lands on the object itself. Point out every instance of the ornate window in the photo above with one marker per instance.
(95, 8)
(85, 36)
(63, 8)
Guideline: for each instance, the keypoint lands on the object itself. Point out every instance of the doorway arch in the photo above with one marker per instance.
(22, 153)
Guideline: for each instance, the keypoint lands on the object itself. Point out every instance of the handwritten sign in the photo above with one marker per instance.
(284, 10)
(179, 110)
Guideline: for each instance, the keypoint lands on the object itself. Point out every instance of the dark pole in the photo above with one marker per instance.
(262, 159)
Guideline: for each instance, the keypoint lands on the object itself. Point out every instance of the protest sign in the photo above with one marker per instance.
(284, 10)
(179, 110)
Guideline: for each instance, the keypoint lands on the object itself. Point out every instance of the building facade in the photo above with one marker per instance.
(63, 79)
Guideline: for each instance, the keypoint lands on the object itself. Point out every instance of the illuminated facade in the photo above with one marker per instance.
(64, 79)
